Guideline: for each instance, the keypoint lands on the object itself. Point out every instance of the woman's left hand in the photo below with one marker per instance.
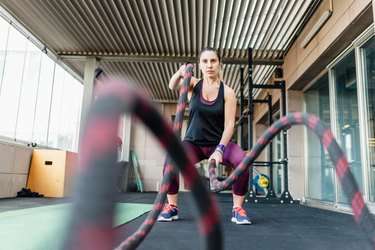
(217, 156)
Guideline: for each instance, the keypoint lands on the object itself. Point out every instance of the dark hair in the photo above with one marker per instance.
(210, 49)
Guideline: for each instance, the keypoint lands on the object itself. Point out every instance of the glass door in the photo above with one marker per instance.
(368, 52)
(320, 172)
(347, 117)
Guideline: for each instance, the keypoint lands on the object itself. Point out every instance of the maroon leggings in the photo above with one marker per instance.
(233, 156)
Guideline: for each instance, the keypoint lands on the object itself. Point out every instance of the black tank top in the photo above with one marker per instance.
(206, 118)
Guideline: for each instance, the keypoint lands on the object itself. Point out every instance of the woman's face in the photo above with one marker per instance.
(209, 64)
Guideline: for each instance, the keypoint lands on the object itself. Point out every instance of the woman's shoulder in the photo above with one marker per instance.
(195, 81)
(228, 90)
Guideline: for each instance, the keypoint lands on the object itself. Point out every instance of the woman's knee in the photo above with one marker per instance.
(234, 154)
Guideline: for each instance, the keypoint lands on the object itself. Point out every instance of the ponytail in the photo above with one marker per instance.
(220, 74)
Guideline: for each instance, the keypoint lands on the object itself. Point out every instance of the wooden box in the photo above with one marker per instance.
(52, 172)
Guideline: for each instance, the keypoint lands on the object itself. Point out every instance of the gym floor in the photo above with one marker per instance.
(274, 226)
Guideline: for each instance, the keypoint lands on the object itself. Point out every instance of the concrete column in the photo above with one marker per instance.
(124, 155)
(88, 88)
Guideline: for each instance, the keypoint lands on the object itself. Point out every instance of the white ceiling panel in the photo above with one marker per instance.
(148, 40)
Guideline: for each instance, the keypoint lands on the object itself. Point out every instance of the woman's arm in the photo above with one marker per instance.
(230, 106)
(176, 80)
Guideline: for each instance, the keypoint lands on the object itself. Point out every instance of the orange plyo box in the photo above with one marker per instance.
(52, 172)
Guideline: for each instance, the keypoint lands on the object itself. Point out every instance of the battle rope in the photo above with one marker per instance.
(361, 213)
(94, 203)
(91, 221)
(134, 240)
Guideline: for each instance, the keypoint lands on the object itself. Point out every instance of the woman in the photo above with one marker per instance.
(212, 111)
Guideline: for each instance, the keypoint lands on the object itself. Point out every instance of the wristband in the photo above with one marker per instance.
(220, 148)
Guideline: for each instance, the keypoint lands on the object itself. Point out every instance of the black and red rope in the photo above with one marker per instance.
(94, 202)
(361, 214)
(134, 240)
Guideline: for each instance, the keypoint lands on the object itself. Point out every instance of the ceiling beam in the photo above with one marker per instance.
(165, 59)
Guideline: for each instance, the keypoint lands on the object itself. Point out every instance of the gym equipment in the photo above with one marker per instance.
(137, 175)
(285, 196)
(361, 213)
(261, 182)
(95, 191)
(93, 208)
(41, 227)
(136, 238)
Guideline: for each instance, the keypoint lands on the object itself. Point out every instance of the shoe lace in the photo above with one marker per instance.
(168, 208)
(241, 211)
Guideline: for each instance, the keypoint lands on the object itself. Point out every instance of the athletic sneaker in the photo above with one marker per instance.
(239, 216)
(169, 213)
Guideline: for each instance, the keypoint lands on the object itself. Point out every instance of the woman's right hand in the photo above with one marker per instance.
(182, 70)
(176, 79)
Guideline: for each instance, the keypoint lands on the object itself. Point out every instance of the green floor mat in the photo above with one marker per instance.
(43, 227)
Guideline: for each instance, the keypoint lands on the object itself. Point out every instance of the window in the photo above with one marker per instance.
(347, 121)
(43, 102)
(11, 82)
(40, 101)
(320, 171)
(29, 92)
(4, 29)
(369, 87)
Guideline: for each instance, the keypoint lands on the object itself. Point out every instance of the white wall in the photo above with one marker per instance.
(14, 168)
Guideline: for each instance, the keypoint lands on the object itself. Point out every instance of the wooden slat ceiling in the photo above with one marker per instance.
(148, 40)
